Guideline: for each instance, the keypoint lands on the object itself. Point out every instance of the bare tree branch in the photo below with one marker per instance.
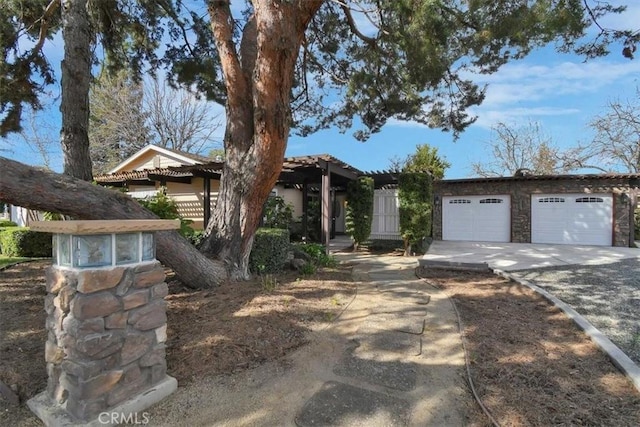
(352, 24)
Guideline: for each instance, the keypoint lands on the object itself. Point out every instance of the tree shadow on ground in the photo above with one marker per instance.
(242, 325)
(608, 296)
(530, 363)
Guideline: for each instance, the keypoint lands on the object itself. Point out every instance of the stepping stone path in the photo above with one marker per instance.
(379, 370)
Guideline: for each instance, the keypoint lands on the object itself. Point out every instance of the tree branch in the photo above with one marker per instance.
(222, 28)
(169, 10)
(352, 24)
(51, 8)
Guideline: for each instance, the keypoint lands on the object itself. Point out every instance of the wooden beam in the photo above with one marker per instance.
(325, 208)
(324, 165)
(164, 179)
(305, 210)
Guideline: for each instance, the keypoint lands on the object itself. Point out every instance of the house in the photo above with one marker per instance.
(193, 182)
(562, 209)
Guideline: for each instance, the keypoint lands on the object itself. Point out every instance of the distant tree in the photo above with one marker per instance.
(127, 114)
(40, 135)
(217, 154)
(117, 121)
(616, 144)
(178, 119)
(523, 149)
(425, 159)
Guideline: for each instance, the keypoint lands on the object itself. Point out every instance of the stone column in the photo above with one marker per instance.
(105, 350)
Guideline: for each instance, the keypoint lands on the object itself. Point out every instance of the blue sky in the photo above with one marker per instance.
(559, 91)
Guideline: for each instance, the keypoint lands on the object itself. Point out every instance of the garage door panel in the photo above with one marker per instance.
(572, 219)
(458, 219)
(477, 218)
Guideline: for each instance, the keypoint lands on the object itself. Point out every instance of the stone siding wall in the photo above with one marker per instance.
(106, 335)
(521, 191)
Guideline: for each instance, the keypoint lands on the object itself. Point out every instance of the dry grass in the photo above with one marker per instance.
(531, 365)
(239, 326)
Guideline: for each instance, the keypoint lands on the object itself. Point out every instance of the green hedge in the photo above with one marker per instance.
(359, 212)
(7, 223)
(415, 195)
(22, 242)
(270, 250)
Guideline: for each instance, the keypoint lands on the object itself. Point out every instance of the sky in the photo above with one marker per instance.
(560, 92)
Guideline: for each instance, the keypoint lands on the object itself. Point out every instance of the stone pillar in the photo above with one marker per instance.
(105, 350)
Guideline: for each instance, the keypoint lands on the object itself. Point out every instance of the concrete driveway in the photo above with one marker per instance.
(597, 286)
(525, 256)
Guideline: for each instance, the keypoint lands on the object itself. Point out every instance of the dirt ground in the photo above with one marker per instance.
(530, 364)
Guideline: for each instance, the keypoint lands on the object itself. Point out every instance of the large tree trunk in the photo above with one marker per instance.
(76, 76)
(258, 81)
(42, 190)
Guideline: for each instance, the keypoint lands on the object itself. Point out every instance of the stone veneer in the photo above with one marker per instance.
(625, 192)
(106, 335)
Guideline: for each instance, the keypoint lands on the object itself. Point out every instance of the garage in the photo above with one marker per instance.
(583, 219)
(477, 218)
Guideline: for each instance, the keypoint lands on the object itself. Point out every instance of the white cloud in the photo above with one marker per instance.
(488, 118)
(521, 82)
(406, 123)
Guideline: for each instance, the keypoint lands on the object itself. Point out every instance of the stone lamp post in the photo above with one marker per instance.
(106, 322)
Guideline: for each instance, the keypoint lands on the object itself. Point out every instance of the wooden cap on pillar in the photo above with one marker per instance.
(104, 226)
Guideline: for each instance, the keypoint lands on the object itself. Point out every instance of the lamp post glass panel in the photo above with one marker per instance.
(101, 250)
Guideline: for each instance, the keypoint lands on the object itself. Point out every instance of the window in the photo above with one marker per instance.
(589, 200)
(460, 201)
(491, 201)
(551, 200)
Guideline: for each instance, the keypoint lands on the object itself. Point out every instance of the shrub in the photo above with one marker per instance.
(359, 212)
(22, 242)
(167, 208)
(314, 220)
(7, 223)
(415, 195)
(277, 213)
(317, 253)
(308, 269)
(270, 250)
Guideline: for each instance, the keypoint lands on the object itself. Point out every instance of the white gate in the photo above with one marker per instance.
(385, 224)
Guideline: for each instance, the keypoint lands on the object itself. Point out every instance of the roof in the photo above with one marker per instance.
(183, 156)
(293, 167)
(606, 176)
(316, 160)
(146, 174)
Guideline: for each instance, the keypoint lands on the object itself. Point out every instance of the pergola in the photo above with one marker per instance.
(321, 171)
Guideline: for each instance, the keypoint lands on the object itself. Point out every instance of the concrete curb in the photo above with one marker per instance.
(617, 356)
(454, 265)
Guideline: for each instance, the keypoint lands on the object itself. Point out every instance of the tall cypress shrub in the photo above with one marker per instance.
(359, 212)
(415, 192)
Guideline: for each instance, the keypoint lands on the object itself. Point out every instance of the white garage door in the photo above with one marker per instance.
(476, 218)
(583, 219)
